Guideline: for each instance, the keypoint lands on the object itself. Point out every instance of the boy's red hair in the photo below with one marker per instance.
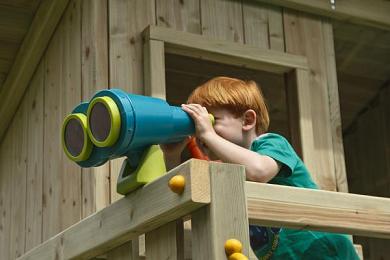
(235, 95)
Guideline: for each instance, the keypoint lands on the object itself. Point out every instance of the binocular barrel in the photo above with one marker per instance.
(115, 124)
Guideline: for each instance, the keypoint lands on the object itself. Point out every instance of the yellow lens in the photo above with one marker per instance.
(75, 140)
(104, 121)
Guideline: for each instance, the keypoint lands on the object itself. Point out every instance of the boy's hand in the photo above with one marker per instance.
(204, 128)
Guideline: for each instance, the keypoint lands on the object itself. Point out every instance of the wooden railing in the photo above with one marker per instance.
(221, 204)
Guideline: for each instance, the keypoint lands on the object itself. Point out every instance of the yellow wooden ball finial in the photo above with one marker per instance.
(233, 246)
(237, 256)
(177, 184)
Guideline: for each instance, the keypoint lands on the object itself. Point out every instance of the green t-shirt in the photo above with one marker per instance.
(289, 243)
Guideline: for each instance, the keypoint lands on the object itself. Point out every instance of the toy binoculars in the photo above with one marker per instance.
(118, 124)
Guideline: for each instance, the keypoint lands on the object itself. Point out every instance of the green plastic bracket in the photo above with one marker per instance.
(151, 167)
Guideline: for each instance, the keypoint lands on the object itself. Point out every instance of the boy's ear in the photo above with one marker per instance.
(249, 120)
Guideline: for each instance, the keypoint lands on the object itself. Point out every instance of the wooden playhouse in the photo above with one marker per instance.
(325, 72)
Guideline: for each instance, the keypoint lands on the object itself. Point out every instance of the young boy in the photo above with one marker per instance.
(239, 136)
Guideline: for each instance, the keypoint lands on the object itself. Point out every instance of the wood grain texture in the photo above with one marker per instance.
(94, 72)
(163, 243)
(6, 150)
(18, 170)
(355, 11)
(226, 217)
(304, 36)
(35, 104)
(179, 15)
(334, 106)
(154, 68)
(62, 177)
(127, 19)
(222, 20)
(224, 51)
(28, 57)
(318, 210)
(141, 211)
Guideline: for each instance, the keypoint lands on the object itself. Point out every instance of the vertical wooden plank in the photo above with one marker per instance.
(293, 111)
(306, 121)
(165, 242)
(303, 36)
(6, 149)
(275, 27)
(334, 106)
(162, 243)
(226, 217)
(94, 33)
(19, 170)
(154, 69)
(255, 16)
(179, 15)
(35, 139)
(127, 20)
(124, 252)
(62, 178)
(222, 19)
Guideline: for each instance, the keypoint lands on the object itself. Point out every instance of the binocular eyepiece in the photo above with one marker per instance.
(115, 124)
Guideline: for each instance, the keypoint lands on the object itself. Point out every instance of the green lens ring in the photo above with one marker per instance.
(115, 121)
(87, 144)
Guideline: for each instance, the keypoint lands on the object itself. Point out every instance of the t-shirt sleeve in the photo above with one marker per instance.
(278, 148)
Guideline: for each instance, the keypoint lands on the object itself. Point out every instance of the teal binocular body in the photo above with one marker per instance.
(117, 124)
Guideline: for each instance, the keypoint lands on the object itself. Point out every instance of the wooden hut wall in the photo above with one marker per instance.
(367, 155)
(98, 45)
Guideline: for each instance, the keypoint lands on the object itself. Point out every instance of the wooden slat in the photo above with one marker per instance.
(303, 36)
(127, 19)
(318, 210)
(222, 20)
(154, 69)
(30, 5)
(306, 133)
(29, 55)
(2, 78)
(35, 139)
(5, 64)
(225, 52)
(143, 210)
(356, 11)
(8, 50)
(256, 24)
(62, 177)
(6, 149)
(334, 106)
(14, 23)
(19, 169)
(94, 69)
(275, 29)
(226, 217)
(179, 15)
(295, 122)
(164, 242)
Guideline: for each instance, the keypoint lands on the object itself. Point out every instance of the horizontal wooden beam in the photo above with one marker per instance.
(202, 47)
(371, 13)
(28, 58)
(141, 211)
(275, 205)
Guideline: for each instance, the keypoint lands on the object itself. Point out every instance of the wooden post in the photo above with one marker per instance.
(225, 217)
(154, 69)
